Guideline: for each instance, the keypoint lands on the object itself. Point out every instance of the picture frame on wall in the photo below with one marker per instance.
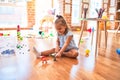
(67, 1)
(112, 3)
(105, 1)
(105, 6)
(86, 1)
(67, 9)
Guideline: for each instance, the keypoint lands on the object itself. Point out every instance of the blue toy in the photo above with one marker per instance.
(118, 51)
(8, 51)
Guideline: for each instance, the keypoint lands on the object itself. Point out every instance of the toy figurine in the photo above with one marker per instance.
(43, 59)
(89, 30)
(87, 52)
(19, 37)
(54, 56)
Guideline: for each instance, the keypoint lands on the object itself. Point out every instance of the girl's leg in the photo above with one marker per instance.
(73, 53)
(43, 53)
(47, 52)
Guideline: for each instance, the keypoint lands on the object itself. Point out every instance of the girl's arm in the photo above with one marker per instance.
(57, 45)
(68, 40)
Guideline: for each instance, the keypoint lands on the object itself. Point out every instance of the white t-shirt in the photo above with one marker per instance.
(62, 39)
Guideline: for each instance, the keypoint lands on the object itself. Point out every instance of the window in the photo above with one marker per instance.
(13, 13)
(94, 4)
(76, 12)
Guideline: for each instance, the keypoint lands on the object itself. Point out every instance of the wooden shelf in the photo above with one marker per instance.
(117, 8)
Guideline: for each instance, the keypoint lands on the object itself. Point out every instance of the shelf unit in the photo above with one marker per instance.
(118, 10)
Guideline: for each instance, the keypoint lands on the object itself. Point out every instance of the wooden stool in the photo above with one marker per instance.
(97, 32)
(117, 29)
(105, 32)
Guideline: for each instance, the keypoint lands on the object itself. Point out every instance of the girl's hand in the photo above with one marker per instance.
(58, 54)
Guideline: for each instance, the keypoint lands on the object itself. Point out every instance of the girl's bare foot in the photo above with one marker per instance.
(36, 53)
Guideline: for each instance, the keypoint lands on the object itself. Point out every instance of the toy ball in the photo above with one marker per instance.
(118, 51)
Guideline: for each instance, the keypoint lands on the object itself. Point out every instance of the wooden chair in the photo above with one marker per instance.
(48, 20)
(117, 29)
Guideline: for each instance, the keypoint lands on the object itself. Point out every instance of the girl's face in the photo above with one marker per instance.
(60, 29)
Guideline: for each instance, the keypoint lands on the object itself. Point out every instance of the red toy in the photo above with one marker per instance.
(44, 59)
(18, 28)
(89, 30)
(1, 34)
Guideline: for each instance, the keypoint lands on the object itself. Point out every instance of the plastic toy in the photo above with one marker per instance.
(8, 51)
(19, 37)
(93, 29)
(89, 30)
(54, 56)
(41, 33)
(78, 29)
(81, 41)
(51, 34)
(44, 59)
(100, 12)
(118, 51)
(1, 34)
(19, 46)
(87, 52)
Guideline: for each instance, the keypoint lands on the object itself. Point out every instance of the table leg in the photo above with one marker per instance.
(82, 28)
(97, 31)
(99, 38)
(92, 38)
(105, 34)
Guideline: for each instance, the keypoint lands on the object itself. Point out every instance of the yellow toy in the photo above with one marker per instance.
(78, 29)
(101, 25)
(87, 52)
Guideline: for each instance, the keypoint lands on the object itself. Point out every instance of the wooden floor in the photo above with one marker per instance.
(26, 67)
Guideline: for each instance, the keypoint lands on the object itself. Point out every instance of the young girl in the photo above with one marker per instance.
(65, 44)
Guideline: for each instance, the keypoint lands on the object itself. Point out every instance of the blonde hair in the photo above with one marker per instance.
(61, 21)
